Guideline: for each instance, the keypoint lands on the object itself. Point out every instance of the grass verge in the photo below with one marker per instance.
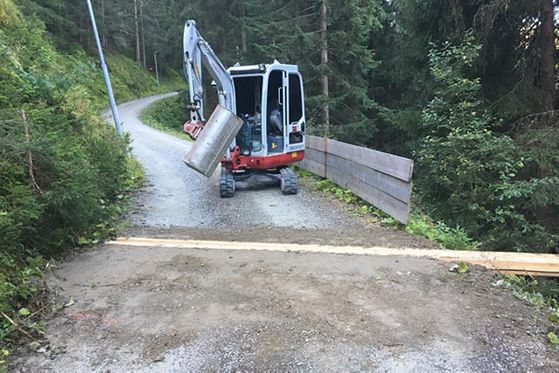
(418, 224)
(25, 299)
(542, 292)
(168, 115)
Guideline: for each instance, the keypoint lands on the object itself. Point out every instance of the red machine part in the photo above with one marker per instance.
(247, 162)
(193, 129)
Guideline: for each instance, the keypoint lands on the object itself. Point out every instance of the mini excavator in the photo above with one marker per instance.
(258, 127)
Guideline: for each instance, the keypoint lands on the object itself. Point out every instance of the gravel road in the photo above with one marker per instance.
(187, 310)
(178, 196)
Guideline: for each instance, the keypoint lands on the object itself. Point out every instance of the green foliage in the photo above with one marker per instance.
(18, 289)
(538, 291)
(16, 283)
(462, 268)
(171, 81)
(130, 79)
(447, 237)
(340, 193)
(554, 317)
(469, 173)
(63, 170)
(4, 353)
(9, 13)
(552, 338)
(168, 115)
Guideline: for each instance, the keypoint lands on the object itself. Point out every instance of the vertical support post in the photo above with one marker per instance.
(105, 70)
(156, 67)
(142, 34)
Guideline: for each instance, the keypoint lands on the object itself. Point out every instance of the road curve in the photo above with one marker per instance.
(179, 197)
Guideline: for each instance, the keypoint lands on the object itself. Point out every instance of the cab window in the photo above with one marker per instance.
(295, 98)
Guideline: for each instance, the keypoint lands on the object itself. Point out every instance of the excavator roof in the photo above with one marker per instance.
(262, 68)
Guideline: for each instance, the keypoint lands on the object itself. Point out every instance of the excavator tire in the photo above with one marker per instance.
(289, 183)
(226, 184)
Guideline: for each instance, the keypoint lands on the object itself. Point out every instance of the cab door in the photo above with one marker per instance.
(285, 107)
(276, 111)
(295, 113)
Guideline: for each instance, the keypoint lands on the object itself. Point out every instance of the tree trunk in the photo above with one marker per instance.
(138, 53)
(243, 30)
(81, 30)
(324, 65)
(104, 37)
(142, 34)
(547, 68)
(546, 85)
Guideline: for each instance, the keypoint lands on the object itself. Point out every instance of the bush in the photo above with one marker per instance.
(62, 168)
(168, 114)
(469, 173)
(419, 224)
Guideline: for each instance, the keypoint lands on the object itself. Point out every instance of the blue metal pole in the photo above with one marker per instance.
(105, 70)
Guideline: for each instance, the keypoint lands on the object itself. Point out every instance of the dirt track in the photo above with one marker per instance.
(164, 309)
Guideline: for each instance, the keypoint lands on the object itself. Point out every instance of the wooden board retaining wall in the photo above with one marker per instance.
(382, 179)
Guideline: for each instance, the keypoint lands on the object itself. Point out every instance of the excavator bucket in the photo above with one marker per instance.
(218, 133)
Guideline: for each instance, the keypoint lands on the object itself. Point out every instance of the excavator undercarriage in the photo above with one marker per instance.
(285, 177)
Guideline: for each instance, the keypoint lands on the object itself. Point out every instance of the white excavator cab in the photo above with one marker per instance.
(269, 98)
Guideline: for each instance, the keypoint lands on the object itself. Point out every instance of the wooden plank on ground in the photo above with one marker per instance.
(505, 262)
(390, 185)
(399, 167)
(394, 207)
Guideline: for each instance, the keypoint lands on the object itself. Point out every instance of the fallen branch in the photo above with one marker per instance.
(16, 325)
(36, 312)
(29, 154)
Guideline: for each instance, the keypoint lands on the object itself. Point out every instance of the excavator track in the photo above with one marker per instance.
(226, 184)
(289, 184)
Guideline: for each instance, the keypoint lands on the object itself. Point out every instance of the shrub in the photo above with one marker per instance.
(469, 173)
(168, 114)
(62, 168)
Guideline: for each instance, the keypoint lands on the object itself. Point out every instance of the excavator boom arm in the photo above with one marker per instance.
(198, 51)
